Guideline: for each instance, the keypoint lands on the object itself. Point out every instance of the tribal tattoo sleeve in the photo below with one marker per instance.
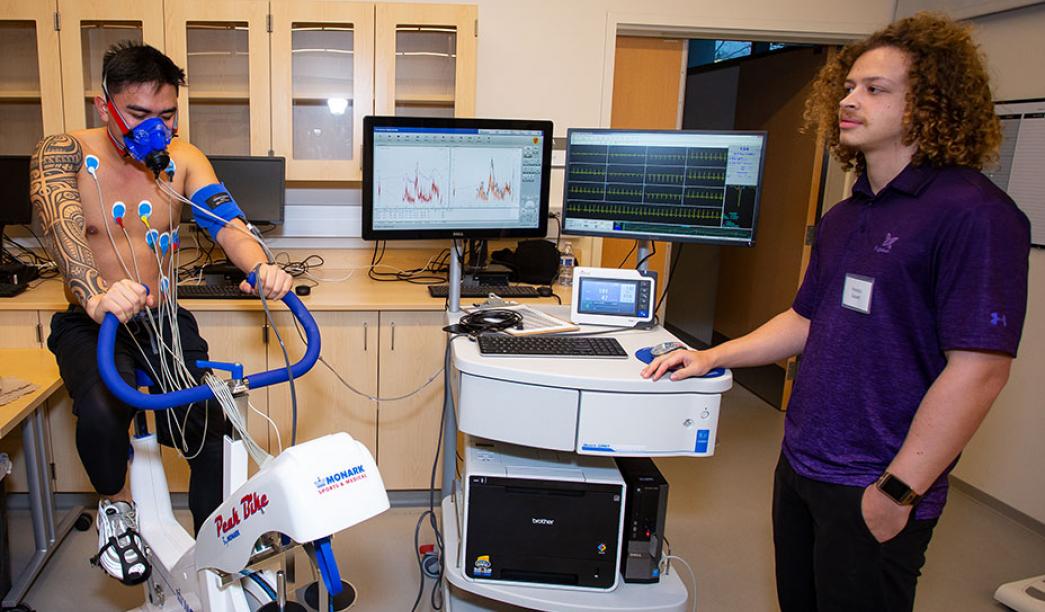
(55, 196)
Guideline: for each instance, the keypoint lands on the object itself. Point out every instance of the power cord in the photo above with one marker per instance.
(298, 268)
(671, 274)
(435, 599)
(433, 272)
(634, 245)
(692, 575)
(652, 252)
(485, 321)
(558, 229)
(286, 360)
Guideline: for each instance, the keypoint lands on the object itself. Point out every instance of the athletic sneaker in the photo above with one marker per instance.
(120, 548)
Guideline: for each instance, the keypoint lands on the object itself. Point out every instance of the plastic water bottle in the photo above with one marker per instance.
(566, 263)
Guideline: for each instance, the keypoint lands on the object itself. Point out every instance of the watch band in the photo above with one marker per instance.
(897, 490)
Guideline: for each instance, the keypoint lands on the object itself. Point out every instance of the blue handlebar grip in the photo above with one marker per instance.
(200, 393)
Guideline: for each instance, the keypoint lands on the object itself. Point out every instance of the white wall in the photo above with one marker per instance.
(1006, 458)
(553, 59)
(548, 58)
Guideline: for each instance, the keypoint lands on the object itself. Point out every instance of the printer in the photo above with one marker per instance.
(541, 517)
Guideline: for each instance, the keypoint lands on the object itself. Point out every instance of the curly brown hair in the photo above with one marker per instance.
(950, 111)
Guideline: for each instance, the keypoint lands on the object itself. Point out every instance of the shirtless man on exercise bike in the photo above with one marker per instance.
(87, 187)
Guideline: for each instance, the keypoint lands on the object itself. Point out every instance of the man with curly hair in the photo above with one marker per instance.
(908, 318)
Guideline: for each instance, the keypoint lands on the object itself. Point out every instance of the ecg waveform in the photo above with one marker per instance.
(646, 212)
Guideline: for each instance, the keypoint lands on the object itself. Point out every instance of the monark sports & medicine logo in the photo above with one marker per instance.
(339, 479)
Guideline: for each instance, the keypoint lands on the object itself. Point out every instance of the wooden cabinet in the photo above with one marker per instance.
(389, 354)
(322, 84)
(18, 329)
(30, 76)
(88, 28)
(69, 475)
(388, 358)
(425, 59)
(281, 77)
(224, 48)
(325, 405)
(334, 62)
(412, 348)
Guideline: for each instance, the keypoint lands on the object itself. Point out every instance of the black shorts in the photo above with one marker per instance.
(102, 439)
(74, 342)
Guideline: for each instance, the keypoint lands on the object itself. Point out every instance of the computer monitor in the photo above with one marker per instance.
(455, 178)
(257, 183)
(15, 207)
(679, 186)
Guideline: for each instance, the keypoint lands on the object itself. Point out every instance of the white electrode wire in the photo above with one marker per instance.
(158, 381)
(373, 398)
(170, 191)
(232, 413)
(134, 259)
(272, 425)
(692, 575)
(167, 380)
(108, 230)
(320, 279)
(286, 360)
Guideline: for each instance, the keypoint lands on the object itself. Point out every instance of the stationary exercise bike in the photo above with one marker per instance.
(301, 497)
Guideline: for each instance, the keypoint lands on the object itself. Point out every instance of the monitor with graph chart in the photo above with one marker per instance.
(663, 185)
(448, 178)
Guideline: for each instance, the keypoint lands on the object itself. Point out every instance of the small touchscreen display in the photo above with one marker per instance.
(608, 297)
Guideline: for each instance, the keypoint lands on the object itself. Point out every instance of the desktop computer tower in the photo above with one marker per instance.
(540, 517)
(644, 513)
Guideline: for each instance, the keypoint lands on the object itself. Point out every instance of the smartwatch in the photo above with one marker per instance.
(897, 490)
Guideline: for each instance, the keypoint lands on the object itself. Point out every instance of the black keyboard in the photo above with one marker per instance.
(474, 291)
(213, 292)
(549, 346)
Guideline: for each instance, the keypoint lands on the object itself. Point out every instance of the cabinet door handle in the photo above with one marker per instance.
(365, 333)
(393, 336)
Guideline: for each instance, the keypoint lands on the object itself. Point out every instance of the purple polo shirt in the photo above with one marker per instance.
(948, 253)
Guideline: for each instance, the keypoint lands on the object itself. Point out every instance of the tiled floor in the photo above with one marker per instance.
(718, 520)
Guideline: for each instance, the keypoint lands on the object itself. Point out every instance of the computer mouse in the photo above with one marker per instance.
(544, 291)
(303, 290)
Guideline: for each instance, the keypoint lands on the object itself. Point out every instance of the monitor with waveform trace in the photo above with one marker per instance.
(678, 186)
(429, 177)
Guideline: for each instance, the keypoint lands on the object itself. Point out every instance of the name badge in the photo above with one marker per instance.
(856, 295)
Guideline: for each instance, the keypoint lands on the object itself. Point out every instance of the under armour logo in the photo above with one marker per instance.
(999, 319)
(887, 244)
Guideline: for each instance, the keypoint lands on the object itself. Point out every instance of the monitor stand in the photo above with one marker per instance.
(453, 296)
(642, 254)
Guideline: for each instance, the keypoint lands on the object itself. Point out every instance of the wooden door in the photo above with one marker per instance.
(648, 74)
(758, 283)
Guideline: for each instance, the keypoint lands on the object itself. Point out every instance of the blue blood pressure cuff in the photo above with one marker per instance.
(218, 201)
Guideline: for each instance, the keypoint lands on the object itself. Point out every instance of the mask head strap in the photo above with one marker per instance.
(117, 117)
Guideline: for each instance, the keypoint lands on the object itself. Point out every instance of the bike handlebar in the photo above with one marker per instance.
(201, 393)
